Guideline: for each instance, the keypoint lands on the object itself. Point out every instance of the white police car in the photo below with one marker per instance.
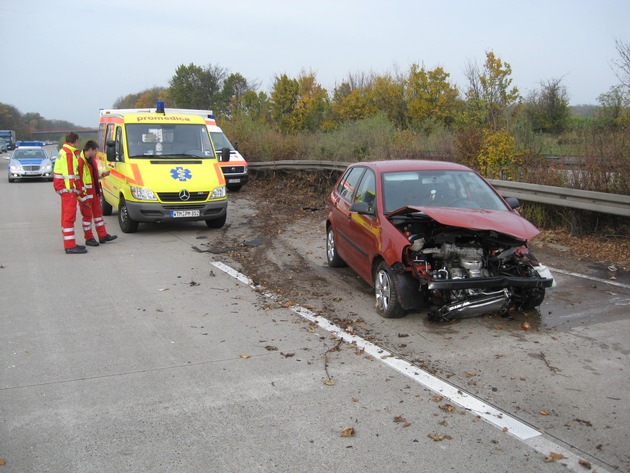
(30, 161)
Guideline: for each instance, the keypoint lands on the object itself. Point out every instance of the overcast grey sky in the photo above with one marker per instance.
(65, 59)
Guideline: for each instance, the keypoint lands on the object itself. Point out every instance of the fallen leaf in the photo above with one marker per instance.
(271, 348)
(287, 355)
(329, 382)
(447, 407)
(437, 398)
(1, 461)
(585, 422)
(399, 419)
(403, 335)
(526, 326)
(585, 464)
(245, 356)
(544, 413)
(553, 456)
(348, 432)
(439, 437)
(470, 374)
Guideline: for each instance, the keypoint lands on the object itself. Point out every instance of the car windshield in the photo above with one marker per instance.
(29, 153)
(455, 189)
(168, 140)
(220, 141)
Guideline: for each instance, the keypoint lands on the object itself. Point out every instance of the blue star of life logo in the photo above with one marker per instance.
(181, 174)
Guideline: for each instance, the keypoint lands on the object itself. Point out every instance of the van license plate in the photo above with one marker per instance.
(233, 181)
(184, 213)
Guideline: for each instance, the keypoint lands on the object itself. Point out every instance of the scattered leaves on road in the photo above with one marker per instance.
(439, 437)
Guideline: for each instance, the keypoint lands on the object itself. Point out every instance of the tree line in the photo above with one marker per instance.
(487, 123)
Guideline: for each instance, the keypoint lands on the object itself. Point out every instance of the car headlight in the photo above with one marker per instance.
(15, 167)
(218, 193)
(46, 166)
(140, 193)
(244, 169)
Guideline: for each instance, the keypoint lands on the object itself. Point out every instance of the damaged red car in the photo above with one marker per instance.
(433, 235)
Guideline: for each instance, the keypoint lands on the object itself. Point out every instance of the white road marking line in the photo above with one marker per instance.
(528, 435)
(590, 278)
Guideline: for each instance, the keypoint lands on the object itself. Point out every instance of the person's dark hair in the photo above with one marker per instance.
(91, 144)
(71, 137)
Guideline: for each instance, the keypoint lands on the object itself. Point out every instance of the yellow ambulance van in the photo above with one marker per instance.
(162, 167)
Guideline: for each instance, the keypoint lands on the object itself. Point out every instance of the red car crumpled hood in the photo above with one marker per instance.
(501, 221)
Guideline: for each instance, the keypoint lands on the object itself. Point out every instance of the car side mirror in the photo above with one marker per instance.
(361, 208)
(513, 202)
(225, 154)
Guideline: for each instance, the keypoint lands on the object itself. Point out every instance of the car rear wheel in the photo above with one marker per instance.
(334, 260)
(387, 303)
(127, 224)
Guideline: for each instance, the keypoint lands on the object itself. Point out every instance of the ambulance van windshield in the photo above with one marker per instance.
(168, 141)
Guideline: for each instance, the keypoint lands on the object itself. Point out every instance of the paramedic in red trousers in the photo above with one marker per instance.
(68, 185)
(90, 206)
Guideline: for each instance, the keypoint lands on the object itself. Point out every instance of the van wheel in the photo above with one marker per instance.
(127, 225)
(217, 222)
(107, 209)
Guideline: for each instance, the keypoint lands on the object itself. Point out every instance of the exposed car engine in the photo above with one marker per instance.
(467, 273)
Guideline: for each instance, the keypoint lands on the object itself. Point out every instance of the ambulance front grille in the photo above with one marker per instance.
(175, 197)
(233, 169)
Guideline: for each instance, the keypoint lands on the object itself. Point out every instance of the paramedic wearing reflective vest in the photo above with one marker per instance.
(68, 185)
(90, 205)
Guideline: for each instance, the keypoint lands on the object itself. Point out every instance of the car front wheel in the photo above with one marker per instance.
(217, 222)
(127, 224)
(387, 303)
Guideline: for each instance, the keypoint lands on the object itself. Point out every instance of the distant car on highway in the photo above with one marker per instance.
(30, 161)
(4, 146)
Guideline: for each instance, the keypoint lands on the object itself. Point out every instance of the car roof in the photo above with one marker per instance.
(412, 165)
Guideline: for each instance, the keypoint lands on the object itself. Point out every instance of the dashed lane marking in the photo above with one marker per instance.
(491, 414)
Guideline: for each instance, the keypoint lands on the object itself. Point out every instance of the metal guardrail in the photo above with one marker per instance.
(602, 202)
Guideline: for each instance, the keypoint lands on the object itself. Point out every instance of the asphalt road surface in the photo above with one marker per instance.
(185, 349)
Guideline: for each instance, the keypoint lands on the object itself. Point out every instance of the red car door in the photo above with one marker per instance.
(340, 200)
(363, 230)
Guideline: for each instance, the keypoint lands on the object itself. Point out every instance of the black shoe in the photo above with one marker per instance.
(75, 250)
(81, 246)
(91, 242)
(107, 238)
